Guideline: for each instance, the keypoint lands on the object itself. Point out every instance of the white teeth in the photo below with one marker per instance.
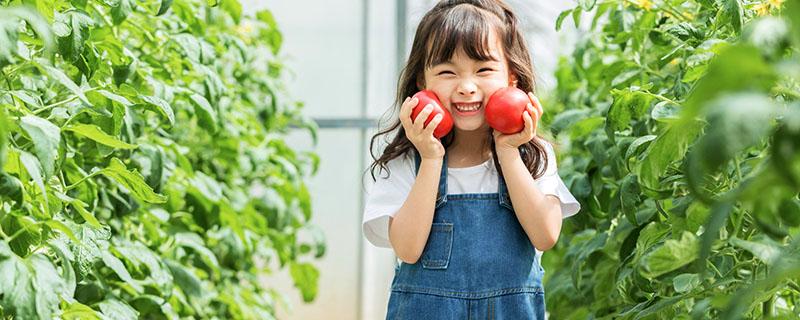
(468, 107)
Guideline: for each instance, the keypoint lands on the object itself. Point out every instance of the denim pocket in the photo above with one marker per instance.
(437, 250)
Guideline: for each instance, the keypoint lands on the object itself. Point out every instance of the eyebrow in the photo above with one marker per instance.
(450, 63)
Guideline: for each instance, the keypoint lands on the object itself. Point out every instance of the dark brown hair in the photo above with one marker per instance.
(449, 26)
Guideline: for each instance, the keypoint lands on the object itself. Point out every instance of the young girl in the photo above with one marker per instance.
(467, 215)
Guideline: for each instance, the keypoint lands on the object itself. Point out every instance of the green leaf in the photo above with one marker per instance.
(585, 126)
(561, 18)
(79, 206)
(193, 241)
(686, 282)
(121, 11)
(45, 137)
(115, 309)
(189, 44)
(118, 267)
(95, 133)
(60, 226)
(629, 198)
(271, 35)
(737, 68)
(576, 16)
(59, 76)
(159, 106)
(3, 137)
(763, 248)
(624, 77)
(670, 256)
(305, 277)
(731, 13)
(9, 32)
(11, 188)
(234, 8)
(206, 115)
(164, 6)
(132, 181)
(790, 212)
(30, 287)
(665, 111)
(72, 29)
(791, 10)
(628, 104)
(648, 237)
(667, 148)
(695, 73)
(31, 164)
(59, 246)
(186, 279)
(79, 311)
(115, 97)
(586, 5)
(735, 123)
(34, 102)
(141, 256)
(633, 148)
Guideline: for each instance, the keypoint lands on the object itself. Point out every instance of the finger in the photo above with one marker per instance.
(527, 133)
(432, 125)
(526, 116)
(534, 113)
(405, 111)
(534, 123)
(419, 122)
(496, 133)
(536, 103)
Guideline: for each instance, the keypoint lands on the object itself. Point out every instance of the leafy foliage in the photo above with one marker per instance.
(142, 168)
(681, 129)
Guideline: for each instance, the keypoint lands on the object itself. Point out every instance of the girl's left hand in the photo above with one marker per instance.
(531, 117)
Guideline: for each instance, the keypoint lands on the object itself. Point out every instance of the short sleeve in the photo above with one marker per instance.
(385, 197)
(551, 183)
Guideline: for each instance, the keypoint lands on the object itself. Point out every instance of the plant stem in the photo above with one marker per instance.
(72, 186)
(8, 82)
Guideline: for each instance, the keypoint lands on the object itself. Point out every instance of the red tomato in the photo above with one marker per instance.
(426, 97)
(504, 110)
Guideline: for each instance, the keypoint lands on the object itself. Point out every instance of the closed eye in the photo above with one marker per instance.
(445, 72)
(485, 69)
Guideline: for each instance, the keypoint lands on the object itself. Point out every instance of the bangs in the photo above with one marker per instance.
(462, 26)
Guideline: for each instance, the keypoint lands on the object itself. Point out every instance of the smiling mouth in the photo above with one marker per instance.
(467, 107)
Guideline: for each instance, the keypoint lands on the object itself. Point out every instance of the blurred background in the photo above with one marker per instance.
(345, 57)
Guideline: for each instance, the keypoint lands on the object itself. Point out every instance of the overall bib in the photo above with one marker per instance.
(477, 264)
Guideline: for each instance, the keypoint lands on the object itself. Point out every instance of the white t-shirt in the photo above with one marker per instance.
(388, 194)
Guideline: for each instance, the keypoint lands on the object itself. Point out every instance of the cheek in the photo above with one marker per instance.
(442, 90)
(493, 84)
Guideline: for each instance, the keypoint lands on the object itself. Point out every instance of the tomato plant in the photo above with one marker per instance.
(142, 164)
(683, 128)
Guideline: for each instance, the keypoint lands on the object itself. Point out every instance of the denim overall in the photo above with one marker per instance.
(477, 264)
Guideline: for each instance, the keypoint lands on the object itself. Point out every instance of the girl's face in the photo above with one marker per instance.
(464, 85)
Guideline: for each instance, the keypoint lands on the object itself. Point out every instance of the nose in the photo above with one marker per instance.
(466, 88)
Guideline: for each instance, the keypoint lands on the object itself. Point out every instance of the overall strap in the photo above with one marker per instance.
(502, 192)
(441, 196)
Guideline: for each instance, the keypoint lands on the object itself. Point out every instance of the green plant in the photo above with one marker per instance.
(683, 127)
(142, 167)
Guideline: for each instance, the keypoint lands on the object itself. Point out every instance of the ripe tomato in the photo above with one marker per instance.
(426, 97)
(504, 110)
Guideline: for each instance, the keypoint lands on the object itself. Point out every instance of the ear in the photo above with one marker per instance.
(420, 84)
(512, 80)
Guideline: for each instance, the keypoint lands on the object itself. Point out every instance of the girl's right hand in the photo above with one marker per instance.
(420, 135)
